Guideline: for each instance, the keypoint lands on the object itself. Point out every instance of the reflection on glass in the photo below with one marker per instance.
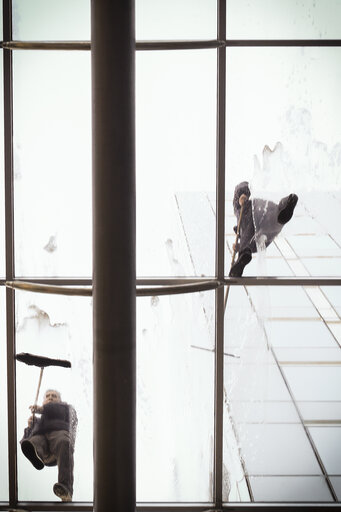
(175, 403)
(52, 163)
(176, 126)
(60, 328)
(306, 19)
(282, 376)
(176, 19)
(283, 137)
(3, 401)
(47, 20)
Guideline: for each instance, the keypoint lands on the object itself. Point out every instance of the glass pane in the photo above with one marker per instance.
(176, 126)
(290, 488)
(52, 163)
(283, 137)
(47, 20)
(292, 19)
(326, 440)
(3, 401)
(60, 328)
(282, 376)
(320, 411)
(2, 183)
(315, 383)
(175, 398)
(176, 19)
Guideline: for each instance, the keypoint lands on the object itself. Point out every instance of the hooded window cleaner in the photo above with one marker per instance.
(259, 222)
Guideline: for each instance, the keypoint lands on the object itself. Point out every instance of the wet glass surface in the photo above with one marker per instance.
(175, 398)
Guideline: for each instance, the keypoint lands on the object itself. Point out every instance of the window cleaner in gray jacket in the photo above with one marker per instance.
(260, 223)
(50, 440)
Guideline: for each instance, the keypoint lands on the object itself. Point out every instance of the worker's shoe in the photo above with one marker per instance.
(243, 259)
(62, 492)
(30, 452)
(286, 208)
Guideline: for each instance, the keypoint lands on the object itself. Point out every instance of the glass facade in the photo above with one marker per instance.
(238, 388)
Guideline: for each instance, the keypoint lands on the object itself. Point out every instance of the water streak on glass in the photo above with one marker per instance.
(283, 137)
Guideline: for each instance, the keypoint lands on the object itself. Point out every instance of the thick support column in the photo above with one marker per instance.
(113, 50)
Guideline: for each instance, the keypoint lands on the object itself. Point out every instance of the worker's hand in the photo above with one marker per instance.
(242, 200)
(36, 408)
(30, 422)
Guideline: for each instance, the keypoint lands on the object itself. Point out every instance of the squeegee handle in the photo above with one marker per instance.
(39, 384)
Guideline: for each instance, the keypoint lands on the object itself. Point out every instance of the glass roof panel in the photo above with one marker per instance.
(283, 137)
(323, 411)
(52, 163)
(328, 441)
(58, 327)
(176, 162)
(176, 19)
(275, 19)
(314, 382)
(271, 449)
(48, 20)
(290, 488)
(175, 398)
(299, 334)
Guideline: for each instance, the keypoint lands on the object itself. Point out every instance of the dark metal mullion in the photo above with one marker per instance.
(220, 256)
(9, 237)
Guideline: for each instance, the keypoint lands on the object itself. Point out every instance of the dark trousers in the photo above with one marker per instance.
(55, 448)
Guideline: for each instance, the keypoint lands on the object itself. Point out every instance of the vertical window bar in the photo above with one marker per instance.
(220, 256)
(9, 235)
(114, 277)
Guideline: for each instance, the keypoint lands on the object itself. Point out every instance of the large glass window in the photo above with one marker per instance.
(238, 383)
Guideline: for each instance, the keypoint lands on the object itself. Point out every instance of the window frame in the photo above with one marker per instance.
(144, 286)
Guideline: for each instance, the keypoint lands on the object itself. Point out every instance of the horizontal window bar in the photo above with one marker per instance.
(140, 292)
(172, 45)
(173, 287)
(86, 45)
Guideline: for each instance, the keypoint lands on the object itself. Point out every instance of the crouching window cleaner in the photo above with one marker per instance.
(49, 440)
